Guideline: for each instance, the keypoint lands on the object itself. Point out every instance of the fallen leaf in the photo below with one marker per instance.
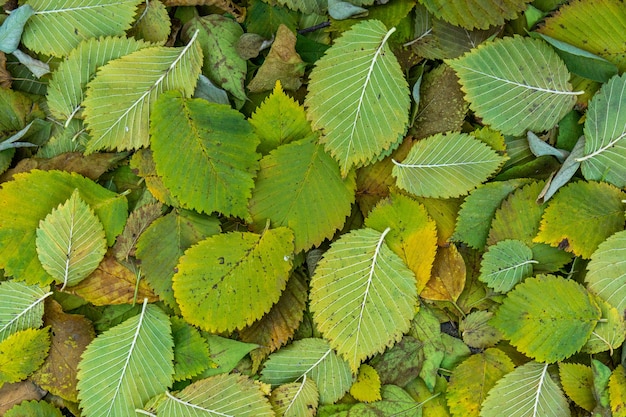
(5, 76)
(12, 394)
(448, 276)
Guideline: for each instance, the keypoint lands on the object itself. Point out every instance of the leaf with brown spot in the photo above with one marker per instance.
(137, 223)
(448, 276)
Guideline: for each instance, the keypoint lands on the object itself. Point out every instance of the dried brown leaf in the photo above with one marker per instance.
(448, 276)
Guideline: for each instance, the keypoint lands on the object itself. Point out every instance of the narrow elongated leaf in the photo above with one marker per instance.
(606, 274)
(506, 264)
(58, 26)
(300, 186)
(358, 97)
(446, 166)
(362, 295)
(213, 139)
(71, 241)
(22, 353)
(604, 158)
(475, 13)
(222, 395)
(134, 358)
(117, 112)
(528, 391)
(21, 307)
(516, 84)
(315, 359)
(547, 318)
(238, 282)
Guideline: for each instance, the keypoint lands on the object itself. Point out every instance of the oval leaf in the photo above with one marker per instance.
(506, 264)
(21, 307)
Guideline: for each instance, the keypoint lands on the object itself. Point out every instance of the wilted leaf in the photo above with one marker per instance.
(447, 278)
(138, 221)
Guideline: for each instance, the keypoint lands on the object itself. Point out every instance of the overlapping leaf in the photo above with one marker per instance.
(134, 358)
(213, 139)
(506, 264)
(22, 353)
(609, 333)
(358, 97)
(191, 351)
(617, 391)
(446, 166)
(58, 27)
(34, 409)
(604, 158)
(528, 88)
(21, 307)
(297, 399)
(475, 13)
(577, 381)
(607, 271)
(362, 295)
(117, 112)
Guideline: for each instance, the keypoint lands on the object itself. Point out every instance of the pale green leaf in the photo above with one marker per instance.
(12, 27)
(506, 264)
(134, 358)
(216, 141)
(227, 281)
(540, 148)
(606, 274)
(363, 297)
(577, 382)
(297, 399)
(528, 391)
(59, 26)
(475, 13)
(426, 329)
(564, 174)
(305, 6)
(153, 23)
(71, 241)
(610, 331)
(191, 351)
(395, 402)
(315, 359)
(225, 354)
(299, 186)
(444, 166)
(547, 318)
(604, 158)
(29, 197)
(67, 84)
(341, 10)
(358, 97)
(34, 409)
(117, 112)
(516, 84)
(222, 395)
(22, 353)
(21, 307)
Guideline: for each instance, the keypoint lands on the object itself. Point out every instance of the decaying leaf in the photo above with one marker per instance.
(447, 278)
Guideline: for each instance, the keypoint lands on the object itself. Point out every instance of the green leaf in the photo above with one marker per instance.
(473, 378)
(425, 328)
(21, 307)
(577, 381)
(29, 198)
(222, 395)
(399, 364)
(245, 273)
(583, 215)
(444, 166)
(213, 139)
(22, 353)
(117, 112)
(606, 274)
(191, 351)
(315, 359)
(165, 241)
(67, 84)
(341, 10)
(362, 295)
(225, 354)
(298, 399)
(305, 6)
(476, 330)
(58, 27)
(604, 158)
(71, 241)
(395, 402)
(367, 386)
(527, 89)
(12, 27)
(134, 358)
(472, 14)
(506, 264)
(527, 391)
(138, 221)
(610, 331)
(547, 318)
(299, 186)
(153, 23)
(361, 104)
(540, 148)
(33, 409)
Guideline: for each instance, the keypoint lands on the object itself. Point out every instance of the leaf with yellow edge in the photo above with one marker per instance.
(296, 399)
(610, 331)
(22, 353)
(476, 330)
(447, 278)
(367, 386)
(279, 120)
(433, 400)
(583, 214)
(413, 235)
(617, 391)
(142, 162)
(606, 274)
(228, 281)
(577, 382)
(362, 297)
(473, 378)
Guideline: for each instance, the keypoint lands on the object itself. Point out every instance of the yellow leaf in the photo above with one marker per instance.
(617, 391)
(367, 385)
(577, 381)
(447, 279)
(444, 212)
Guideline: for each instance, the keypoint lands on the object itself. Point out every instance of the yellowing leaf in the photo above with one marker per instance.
(153, 23)
(476, 330)
(22, 353)
(476, 13)
(399, 364)
(447, 278)
(142, 162)
(227, 281)
(413, 235)
(297, 399)
(617, 391)
(71, 241)
(138, 221)
(473, 378)
(444, 212)
(581, 216)
(366, 388)
(577, 381)
(607, 272)
(610, 331)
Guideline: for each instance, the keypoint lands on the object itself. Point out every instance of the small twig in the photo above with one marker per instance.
(314, 28)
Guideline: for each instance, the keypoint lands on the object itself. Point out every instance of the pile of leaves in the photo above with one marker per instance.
(311, 207)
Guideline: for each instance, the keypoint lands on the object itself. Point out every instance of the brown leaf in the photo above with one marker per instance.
(5, 76)
(137, 223)
(278, 326)
(112, 283)
(13, 394)
(71, 333)
(448, 276)
(143, 165)
(282, 63)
